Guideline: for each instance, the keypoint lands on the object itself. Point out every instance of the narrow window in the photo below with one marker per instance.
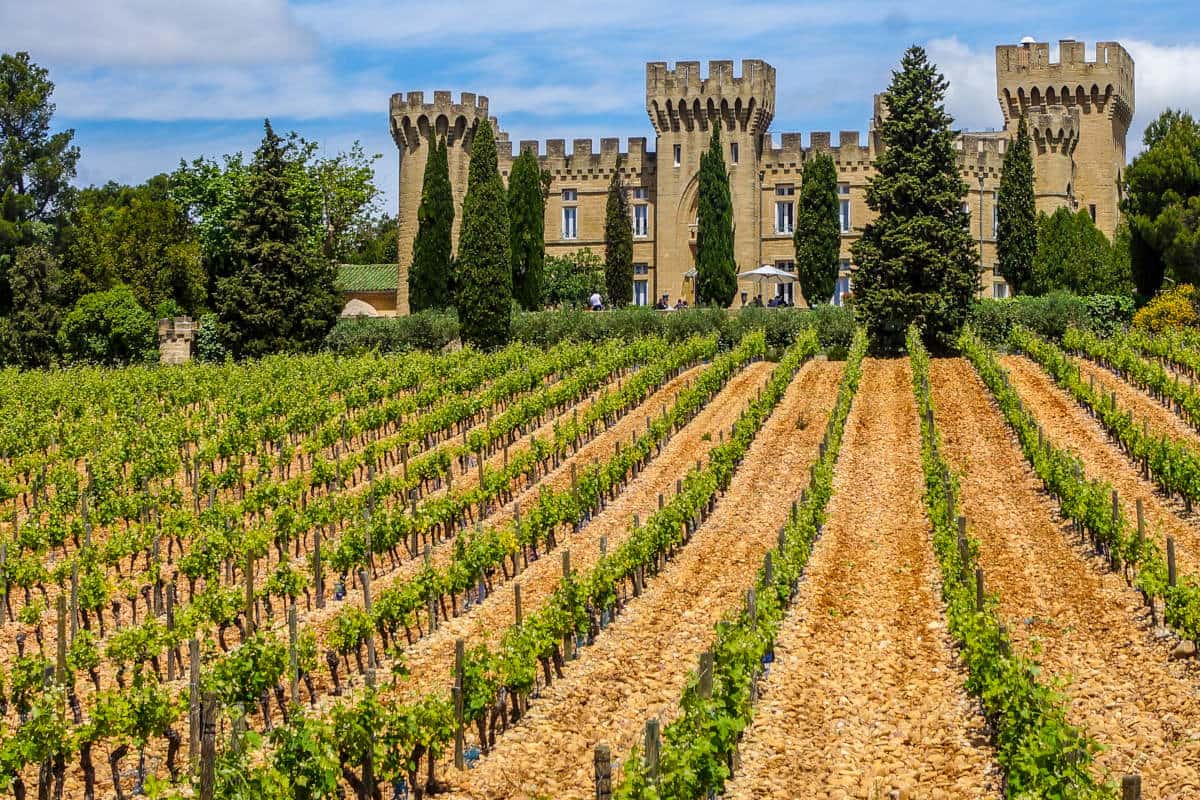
(844, 206)
(570, 220)
(641, 293)
(995, 217)
(733, 152)
(641, 220)
(678, 154)
(784, 221)
(1092, 211)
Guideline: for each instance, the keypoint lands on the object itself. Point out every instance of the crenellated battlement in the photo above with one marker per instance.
(791, 151)
(413, 120)
(1026, 78)
(680, 98)
(582, 158)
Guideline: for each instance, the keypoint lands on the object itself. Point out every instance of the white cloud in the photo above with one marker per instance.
(971, 98)
(1164, 77)
(133, 32)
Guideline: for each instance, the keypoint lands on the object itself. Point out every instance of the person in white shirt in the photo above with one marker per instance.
(595, 301)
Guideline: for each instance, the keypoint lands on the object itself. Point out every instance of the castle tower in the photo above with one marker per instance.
(1078, 113)
(414, 125)
(682, 106)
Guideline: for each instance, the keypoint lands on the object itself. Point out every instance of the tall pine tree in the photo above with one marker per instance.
(916, 263)
(483, 290)
(527, 221)
(716, 271)
(818, 235)
(1016, 232)
(618, 244)
(429, 277)
(280, 296)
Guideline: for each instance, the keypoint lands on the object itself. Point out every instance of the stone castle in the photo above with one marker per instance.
(1078, 113)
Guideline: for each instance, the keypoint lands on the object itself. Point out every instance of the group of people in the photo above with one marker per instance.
(778, 301)
(596, 303)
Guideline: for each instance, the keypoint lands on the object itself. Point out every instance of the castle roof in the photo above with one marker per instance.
(367, 277)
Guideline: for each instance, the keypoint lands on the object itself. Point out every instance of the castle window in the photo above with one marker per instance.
(843, 283)
(995, 216)
(641, 293)
(570, 222)
(784, 190)
(641, 269)
(1092, 211)
(570, 195)
(784, 222)
(641, 220)
(999, 290)
(844, 206)
(641, 193)
(733, 152)
(678, 154)
(966, 210)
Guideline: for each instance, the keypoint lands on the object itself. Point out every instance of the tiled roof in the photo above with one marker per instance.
(367, 277)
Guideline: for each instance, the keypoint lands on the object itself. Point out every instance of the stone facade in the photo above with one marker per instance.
(175, 339)
(1078, 113)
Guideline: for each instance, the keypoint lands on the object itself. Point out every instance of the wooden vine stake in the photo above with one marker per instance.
(652, 749)
(364, 575)
(1131, 787)
(318, 575)
(1171, 574)
(194, 702)
(459, 737)
(293, 655)
(60, 666)
(250, 594)
(208, 745)
(705, 685)
(602, 760)
(517, 602)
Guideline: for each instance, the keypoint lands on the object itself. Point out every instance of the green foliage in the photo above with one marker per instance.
(818, 237)
(36, 166)
(1016, 235)
(618, 244)
(108, 328)
(483, 287)
(1050, 315)
(571, 279)
(527, 220)
(209, 346)
(716, 270)
(1041, 752)
(425, 330)
(430, 276)
(915, 263)
(27, 335)
(280, 295)
(253, 667)
(698, 745)
(139, 236)
(373, 240)
(346, 182)
(1073, 255)
(1162, 204)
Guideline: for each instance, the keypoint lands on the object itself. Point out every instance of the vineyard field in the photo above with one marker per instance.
(625, 570)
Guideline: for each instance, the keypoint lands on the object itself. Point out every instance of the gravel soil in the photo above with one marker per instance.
(865, 698)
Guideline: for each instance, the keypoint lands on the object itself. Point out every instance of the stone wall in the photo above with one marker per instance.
(176, 338)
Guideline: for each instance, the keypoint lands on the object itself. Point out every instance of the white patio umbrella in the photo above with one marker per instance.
(767, 272)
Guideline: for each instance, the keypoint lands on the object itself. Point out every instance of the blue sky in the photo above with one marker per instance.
(147, 82)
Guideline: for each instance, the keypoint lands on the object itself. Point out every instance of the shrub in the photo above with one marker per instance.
(109, 328)
(425, 330)
(1050, 315)
(1170, 310)
(210, 347)
(1109, 312)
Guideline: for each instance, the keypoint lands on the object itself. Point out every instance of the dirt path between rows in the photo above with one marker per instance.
(1067, 425)
(431, 660)
(1080, 621)
(1160, 419)
(638, 666)
(865, 698)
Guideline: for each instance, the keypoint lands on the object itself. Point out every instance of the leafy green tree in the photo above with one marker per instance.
(375, 240)
(818, 235)
(36, 166)
(716, 271)
(483, 288)
(139, 236)
(280, 296)
(348, 194)
(527, 218)
(1162, 204)
(916, 262)
(1016, 234)
(571, 279)
(1074, 255)
(108, 328)
(618, 244)
(429, 277)
(27, 336)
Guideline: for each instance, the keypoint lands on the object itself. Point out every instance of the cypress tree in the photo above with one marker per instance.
(527, 217)
(281, 295)
(1016, 234)
(618, 244)
(429, 277)
(483, 287)
(716, 271)
(916, 262)
(27, 336)
(818, 235)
